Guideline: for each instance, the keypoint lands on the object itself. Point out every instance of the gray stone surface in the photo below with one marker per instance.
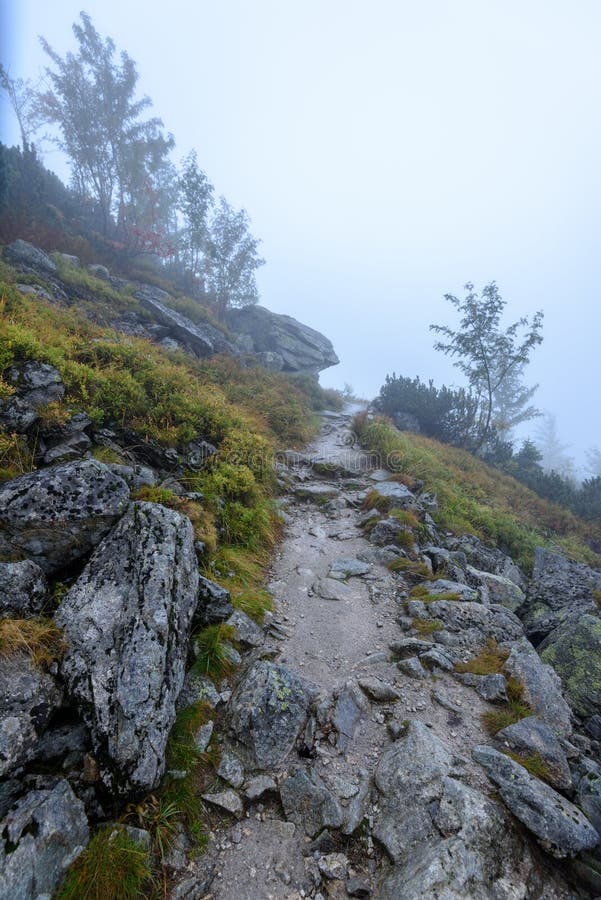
(202, 337)
(470, 625)
(55, 516)
(412, 667)
(349, 706)
(25, 254)
(560, 589)
(348, 568)
(379, 690)
(490, 687)
(407, 647)
(496, 588)
(40, 837)
(214, 602)
(23, 589)
(267, 712)
(28, 698)
(398, 494)
(227, 800)
(127, 623)
(444, 586)
(309, 804)
(230, 769)
(531, 736)
(542, 687)
(247, 632)
(487, 559)
(300, 348)
(560, 827)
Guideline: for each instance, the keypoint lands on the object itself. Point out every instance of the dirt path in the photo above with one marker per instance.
(335, 633)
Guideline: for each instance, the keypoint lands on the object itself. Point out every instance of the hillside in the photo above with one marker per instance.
(249, 651)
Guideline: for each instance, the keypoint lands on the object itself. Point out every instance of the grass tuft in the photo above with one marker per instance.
(39, 639)
(489, 661)
(213, 659)
(533, 763)
(426, 626)
(112, 867)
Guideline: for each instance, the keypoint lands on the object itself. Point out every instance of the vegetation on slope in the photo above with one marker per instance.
(474, 498)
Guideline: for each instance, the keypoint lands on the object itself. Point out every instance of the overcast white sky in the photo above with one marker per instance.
(387, 152)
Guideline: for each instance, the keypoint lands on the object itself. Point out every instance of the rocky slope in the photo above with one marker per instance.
(416, 717)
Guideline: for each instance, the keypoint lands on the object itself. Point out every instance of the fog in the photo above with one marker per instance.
(387, 152)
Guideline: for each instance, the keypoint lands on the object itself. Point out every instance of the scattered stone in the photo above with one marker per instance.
(411, 667)
(356, 811)
(443, 586)
(309, 804)
(227, 800)
(23, 589)
(246, 632)
(55, 516)
(268, 711)
(41, 836)
(408, 647)
(531, 736)
(348, 568)
(203, 736)
(230, 769)
(348, 709)
(470, 625)
(127, 623)
(198, 688)
(259, 785)
(334, 866)
(378, 690)
(436, 659)
(490, 687)
(316, 492)
(560, 827)
(332, 589)
(214, 603)
(487, 559)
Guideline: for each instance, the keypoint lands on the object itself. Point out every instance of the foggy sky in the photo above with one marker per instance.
(387, 152)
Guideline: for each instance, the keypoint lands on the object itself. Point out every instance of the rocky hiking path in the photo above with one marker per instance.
(348, 756)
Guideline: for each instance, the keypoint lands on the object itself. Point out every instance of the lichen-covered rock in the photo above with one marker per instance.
(560, 590)
(560, 827)
(40, 837)
(531, 736)
(36, 385)
(127, 623)
(542, 687)
(28, 698)
(57, 515)
(444, 586)
(23, 589)
(268, 710)
(309, 804)
(574, 651)
(300, 348)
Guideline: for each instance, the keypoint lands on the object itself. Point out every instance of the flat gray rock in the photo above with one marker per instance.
(55, 516)
(309, 804)
(378, 690)
(348, 568)
(560, 827)
(470, 625)
(267, 712)
(531, 736)
(227, 800)
(127, 623)
(246, 631)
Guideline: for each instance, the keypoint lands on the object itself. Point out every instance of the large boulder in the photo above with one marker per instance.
(470, 625)
(574, 651)
(28, 698)
(560, 589)
(267, 711)
(309, 804)
(560, 827)
(39, 839)
(533, 737)
(57, 515)
(488, 559)
(542, 687)
(127, 624)
(201, 337)
(496, 588)
(300, 348)
(23, 589)
(23, 254)
(445, 838)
